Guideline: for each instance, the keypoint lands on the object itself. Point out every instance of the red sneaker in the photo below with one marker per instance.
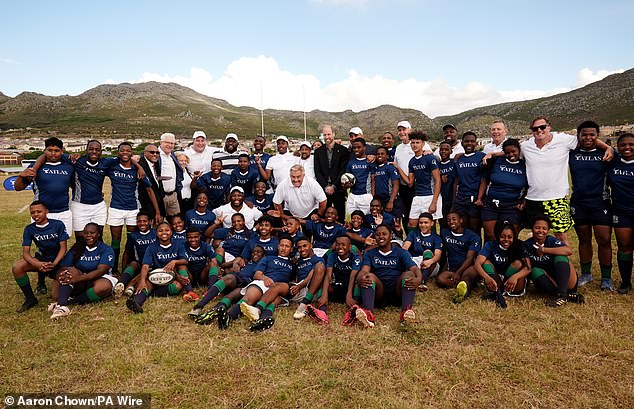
(319, 316)
(366, 317)
(350, 316)
(190, 296)
(408, 315)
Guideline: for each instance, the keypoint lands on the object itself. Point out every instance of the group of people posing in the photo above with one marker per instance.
(361, 225)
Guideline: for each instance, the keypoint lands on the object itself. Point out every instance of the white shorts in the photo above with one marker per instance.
(86, 213)
(257, 283)
(419, 260)
(117, 217)
(65, 217)
(421, 204)
(297, 298)
(113, 280)
(319, 252)
(229, 257)
(358, 202)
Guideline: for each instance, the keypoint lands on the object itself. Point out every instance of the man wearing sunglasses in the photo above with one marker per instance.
(546, 155)
(149, 163)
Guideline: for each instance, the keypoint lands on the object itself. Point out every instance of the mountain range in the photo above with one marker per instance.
(149, 109)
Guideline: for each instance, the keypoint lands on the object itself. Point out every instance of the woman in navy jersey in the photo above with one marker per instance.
(503, 188)
(84, 273)
(201, 217)
(461, 246)
(447, 168)
(590, 206)
(425, 246)
(501, 264)
(50, 238)
(167, 254)
(550, 267)
(469, 171)
(621, 180)
(229, 243)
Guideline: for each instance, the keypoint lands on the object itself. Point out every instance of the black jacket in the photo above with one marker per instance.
(157, 188)
(330, 174)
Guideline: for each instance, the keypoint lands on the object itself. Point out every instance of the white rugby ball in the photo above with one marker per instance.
(160, 277)
(348, 179)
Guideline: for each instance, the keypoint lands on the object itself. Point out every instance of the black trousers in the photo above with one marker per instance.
(338, 201)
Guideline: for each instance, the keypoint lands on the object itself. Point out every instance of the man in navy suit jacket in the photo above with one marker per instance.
(331, 160)
(171, 174)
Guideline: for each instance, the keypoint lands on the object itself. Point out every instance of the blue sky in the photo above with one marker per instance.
(441, 57)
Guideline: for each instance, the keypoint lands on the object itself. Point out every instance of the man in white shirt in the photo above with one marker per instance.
(546, 155)
(278, 165)
(450, 133)
(171, 174)
(199, 154)
(236, 205)
(306, 159)
(498, 133)
(402, 156)
(299, 195)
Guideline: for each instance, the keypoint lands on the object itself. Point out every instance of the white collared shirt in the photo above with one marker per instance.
(302, 200)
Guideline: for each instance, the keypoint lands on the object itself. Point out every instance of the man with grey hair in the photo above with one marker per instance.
(299, 195)
(171, 174)
(498, 133)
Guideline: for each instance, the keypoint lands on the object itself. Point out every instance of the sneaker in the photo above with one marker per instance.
(576, 298)
(317, 315)
(261, 325)
(223, 317)
(190, 296)
(129, 291)
(118, 290)
(252, 313)
(365, 317)
(208, 317)
(407, 315)
(556, 301)
(461, 292)
(300, 312)
(515, 294)
(285, 302)
(422, 287)
(606, 284)
(26, 305)
(133, 306)
(584, 279)
(41, 289)
(350, 316)
(625, 288)
(499, 300)
(60, 311)
(51, 307)
(195, 313)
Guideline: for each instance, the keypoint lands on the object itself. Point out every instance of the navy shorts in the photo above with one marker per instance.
(467, 209)
(622, 220)
(600, 215)
(492, 212)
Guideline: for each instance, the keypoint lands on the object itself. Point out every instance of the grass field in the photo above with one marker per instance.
(471, 355)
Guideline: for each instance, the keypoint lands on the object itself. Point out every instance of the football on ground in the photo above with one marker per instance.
(161, 277)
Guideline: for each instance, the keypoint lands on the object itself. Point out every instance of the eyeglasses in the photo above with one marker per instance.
(537, 128)
(153, 152)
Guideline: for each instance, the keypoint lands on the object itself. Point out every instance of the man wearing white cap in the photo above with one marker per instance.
(236, 205)
(278, 166)
(199, 154)
(402, 156)
(171, 174)
(306, 159)
(229, 155)
(354, 133)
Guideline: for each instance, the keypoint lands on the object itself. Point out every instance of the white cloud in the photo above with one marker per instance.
(585, 76)
(260, 81)
(8, 61)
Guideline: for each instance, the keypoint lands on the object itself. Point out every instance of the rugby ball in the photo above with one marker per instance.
(348, 179)
(161, 277)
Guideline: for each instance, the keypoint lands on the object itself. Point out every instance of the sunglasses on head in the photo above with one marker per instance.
(537, 128)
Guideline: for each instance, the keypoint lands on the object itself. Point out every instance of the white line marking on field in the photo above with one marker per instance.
(23, 209)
